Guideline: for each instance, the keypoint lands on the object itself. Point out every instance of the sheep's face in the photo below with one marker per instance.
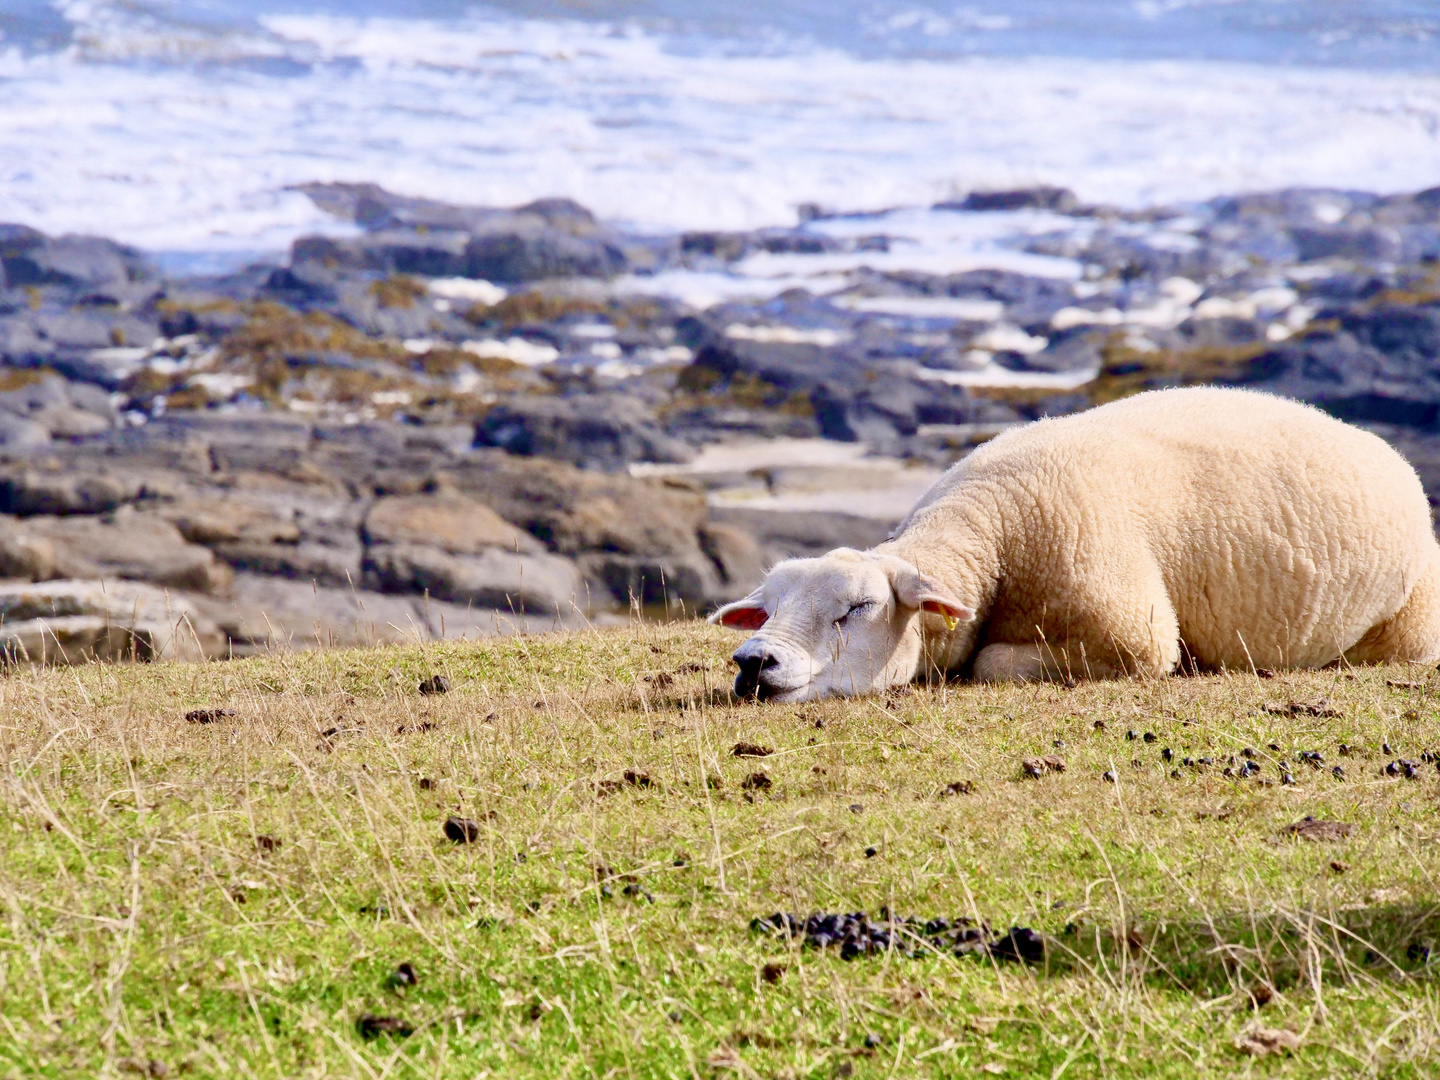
(845, 623)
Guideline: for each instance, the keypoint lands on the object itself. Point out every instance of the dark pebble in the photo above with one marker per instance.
(268, 843)
(1130, 735)
(1393, 769)
(1248, 752)
(856, 808)
(1149, 736)
(756, 781)
(1386, 749)
(871, 852)
(1020, 943)
(1338, 772)
(750, 749)
(404, 975)
(872, 1040)
(1286, 778)
(1099, 725)
(461, 830)
(372, 1026)
(673, 1016)
(1108, 776)
(208, 716)
(436, 684)
(1275, 748)
(1174, 774)
(1168, 754)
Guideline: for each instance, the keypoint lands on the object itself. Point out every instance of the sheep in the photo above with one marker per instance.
(1221, 529)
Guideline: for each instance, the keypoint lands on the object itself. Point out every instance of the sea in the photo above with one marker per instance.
(182, 128)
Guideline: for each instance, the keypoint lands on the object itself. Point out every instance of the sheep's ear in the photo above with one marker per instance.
(747, 614)
(914, 590)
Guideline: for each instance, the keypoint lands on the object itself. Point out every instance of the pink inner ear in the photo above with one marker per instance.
(745, 618)
(935, 607)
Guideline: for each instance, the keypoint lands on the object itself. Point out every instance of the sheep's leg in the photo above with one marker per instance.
(1034, 663)
(1412, 634)
(1115, 624)
(1012, 663)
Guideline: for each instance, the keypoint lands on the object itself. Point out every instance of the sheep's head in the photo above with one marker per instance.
(845, 623)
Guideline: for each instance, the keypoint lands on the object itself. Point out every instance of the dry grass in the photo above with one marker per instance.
(230, 898)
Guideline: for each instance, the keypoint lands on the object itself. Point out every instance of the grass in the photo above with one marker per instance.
(231, 898)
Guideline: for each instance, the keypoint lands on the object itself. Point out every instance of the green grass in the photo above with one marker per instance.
(144, 920)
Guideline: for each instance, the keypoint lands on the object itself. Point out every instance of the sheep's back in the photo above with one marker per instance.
(1281, 534)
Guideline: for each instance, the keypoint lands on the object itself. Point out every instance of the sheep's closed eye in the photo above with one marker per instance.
(858, 606)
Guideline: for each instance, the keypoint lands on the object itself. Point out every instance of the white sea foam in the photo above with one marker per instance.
(105, 137)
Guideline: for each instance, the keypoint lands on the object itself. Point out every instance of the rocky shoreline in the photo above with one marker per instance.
(464, 421)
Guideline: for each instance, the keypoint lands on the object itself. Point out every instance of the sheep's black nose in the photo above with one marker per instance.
(747, 683)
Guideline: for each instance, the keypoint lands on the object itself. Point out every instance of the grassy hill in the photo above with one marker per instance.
(237, 897)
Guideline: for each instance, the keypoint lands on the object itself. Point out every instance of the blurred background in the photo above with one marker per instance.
(177, 126)
(375, 319)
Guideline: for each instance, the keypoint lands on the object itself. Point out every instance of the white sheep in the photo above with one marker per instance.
(1218, 529)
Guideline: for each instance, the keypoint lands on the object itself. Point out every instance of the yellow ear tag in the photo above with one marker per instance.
(950, 621)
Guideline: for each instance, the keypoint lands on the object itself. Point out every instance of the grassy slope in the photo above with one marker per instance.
(142, 920)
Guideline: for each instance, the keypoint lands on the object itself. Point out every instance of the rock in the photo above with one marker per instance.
(31, 258)
(453, 523)
(1372, 366)
(306, 561)
(737, 556)
(76, 621)
(54, 488)
(130, 545)
(493, 578)
(518, 251)
(213, 521)
(23, 555)
(601, 431)
(724, 246)
(433, 253)
(548, 238)
(685, 580)
(574, 510)
(1341, 242)
(1041, 197)
(801, 533)
(19, 435)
